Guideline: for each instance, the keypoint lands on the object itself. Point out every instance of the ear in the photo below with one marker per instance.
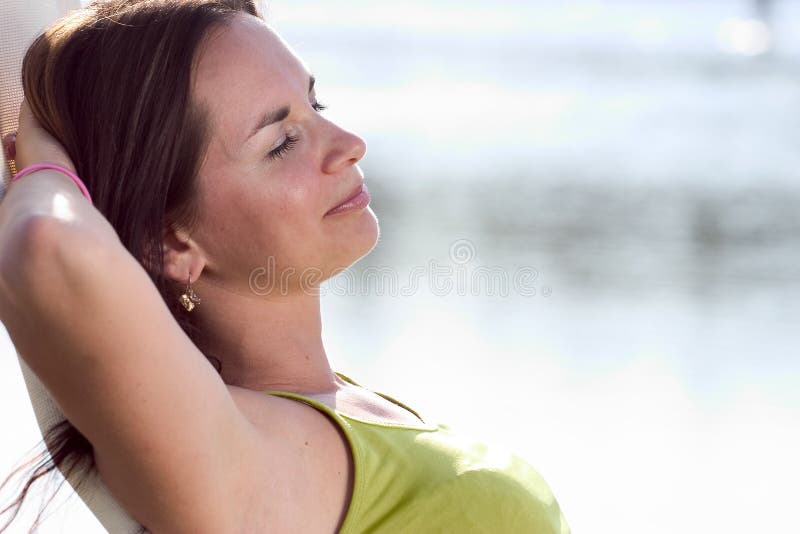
(182, 256)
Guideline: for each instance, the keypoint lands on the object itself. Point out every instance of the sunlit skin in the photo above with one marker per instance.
(253, 207)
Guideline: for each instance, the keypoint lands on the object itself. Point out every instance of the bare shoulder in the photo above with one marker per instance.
(294, 472)
(269, 414)
(316, 466)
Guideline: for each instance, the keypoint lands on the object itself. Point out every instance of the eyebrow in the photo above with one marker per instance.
(271, 117)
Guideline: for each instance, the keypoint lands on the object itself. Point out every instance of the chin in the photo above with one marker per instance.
(358, 241)
(373, 238)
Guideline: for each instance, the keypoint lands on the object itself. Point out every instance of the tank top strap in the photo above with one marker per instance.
(385, 396)
(308, 400)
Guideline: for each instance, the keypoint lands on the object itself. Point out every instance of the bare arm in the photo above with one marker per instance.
(87, 319)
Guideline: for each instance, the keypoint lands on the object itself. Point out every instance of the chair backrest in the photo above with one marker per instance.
(20, 22)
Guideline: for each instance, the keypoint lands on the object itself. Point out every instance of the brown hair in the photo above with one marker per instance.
(112, 83)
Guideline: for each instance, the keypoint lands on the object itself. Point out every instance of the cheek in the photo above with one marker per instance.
(298, 200)
(233, 223)
(278, 215)
(300, 189)
(295, 215)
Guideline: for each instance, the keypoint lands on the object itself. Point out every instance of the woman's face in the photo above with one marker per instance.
(266, 186)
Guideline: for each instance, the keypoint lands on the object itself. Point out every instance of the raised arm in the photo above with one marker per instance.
(87, 319)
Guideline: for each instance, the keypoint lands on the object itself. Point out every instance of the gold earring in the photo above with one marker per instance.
(189, 298)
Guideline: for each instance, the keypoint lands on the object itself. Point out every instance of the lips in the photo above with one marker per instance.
(353, 200)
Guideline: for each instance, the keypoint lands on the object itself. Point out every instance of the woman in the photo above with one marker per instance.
(222, 198)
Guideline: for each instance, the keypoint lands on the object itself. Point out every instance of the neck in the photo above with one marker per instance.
(263, 343)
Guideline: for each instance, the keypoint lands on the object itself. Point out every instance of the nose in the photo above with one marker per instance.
(346, 149)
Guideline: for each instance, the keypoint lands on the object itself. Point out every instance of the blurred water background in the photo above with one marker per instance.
(638, 163)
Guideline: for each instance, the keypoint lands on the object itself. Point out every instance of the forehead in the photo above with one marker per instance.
(244, 69)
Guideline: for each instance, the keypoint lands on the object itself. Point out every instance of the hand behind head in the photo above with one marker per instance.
(33, 144)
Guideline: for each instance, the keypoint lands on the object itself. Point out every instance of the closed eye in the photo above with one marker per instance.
(285, 147)
(291, 140)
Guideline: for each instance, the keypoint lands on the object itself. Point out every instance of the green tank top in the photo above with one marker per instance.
(424, 478)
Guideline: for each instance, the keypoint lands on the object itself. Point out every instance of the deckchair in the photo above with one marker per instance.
(20, 22)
